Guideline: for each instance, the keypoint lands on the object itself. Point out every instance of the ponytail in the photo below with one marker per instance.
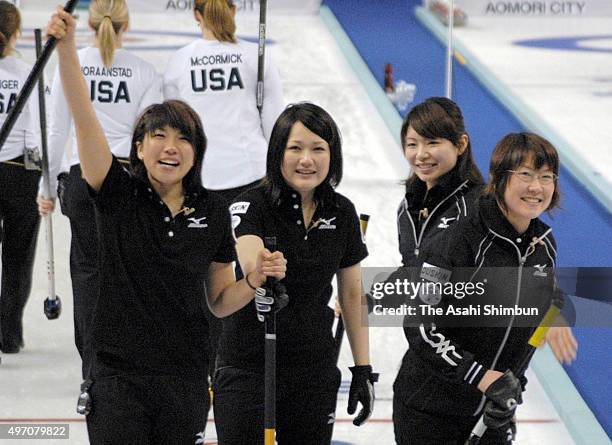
(218, 16)
(108, 18)
(106, 36)
(10, 24)
(3, 44)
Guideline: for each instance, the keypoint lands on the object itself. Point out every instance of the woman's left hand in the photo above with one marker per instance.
(563, 343)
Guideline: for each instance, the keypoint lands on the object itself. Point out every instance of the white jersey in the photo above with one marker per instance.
(219, 81)
(119, 94)
(26, 131)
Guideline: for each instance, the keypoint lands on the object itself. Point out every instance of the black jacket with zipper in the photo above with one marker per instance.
(443, 366)
(424, 217)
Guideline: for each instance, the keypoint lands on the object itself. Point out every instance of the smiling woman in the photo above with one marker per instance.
(120, 86)
(523, 178)
(168, 148)
(318, 231)
(158, 269)
(479, 371)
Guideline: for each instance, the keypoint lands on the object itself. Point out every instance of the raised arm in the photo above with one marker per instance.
(94, 154)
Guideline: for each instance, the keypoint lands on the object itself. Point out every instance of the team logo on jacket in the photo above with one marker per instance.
(196, 223)
(539, 271)
(325, 224)
(444, 222)
(239, 207)
(441, 345)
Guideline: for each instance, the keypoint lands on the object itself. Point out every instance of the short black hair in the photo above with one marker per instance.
(180, 116)
(317, 120)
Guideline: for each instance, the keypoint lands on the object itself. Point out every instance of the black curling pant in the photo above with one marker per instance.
(305, 405)
(413, 426)
(78, 207)
(19, 222)
(147, 410)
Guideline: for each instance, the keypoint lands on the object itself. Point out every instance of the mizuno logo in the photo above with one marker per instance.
(196, 223)
(332, 418)
(444, 222)
(539, 271)
(199, 438)
(442, 345)
(323, 224)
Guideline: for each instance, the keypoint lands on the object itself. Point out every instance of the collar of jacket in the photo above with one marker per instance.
(325, 197)
(417, 189)
(495, 220)
(144, 188)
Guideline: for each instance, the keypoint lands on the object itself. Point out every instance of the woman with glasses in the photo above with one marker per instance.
(456, 373)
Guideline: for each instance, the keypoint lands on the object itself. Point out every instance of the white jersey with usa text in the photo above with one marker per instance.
(118, 93)
(26, 131)
(219, 80)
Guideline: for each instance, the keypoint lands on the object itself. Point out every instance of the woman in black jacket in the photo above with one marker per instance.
(444, 182)
(451, 370)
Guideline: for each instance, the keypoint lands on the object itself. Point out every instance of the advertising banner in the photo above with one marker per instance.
(536, 8)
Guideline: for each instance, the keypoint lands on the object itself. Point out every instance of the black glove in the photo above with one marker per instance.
(362, 390)
(511, 431)
(268, 301)
(503, 395)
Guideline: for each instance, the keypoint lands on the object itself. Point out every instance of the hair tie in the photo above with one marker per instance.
(107, 16)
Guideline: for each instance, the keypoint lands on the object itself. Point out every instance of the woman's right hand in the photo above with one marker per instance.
(563, 343)
(268, 265)
(62, 26)
(45, 205)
